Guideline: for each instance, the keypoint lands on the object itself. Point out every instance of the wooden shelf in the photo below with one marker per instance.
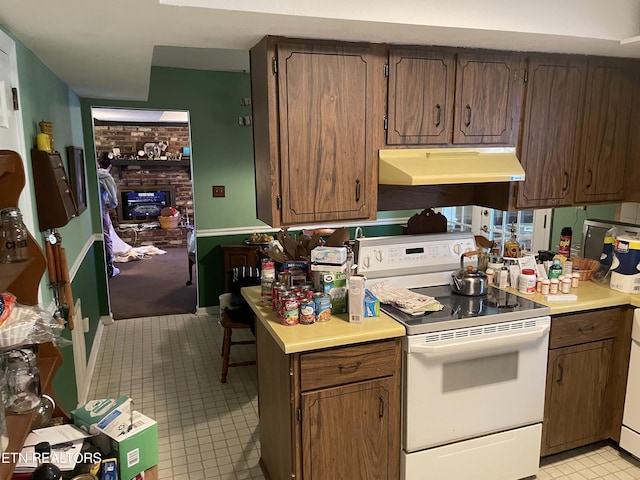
(121, 162)
(19, 426)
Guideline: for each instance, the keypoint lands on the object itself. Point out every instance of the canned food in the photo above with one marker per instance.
(278, 292)
(322, 303)
(290, 310)
(307, 311)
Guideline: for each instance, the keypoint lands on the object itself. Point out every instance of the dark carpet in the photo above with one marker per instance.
(153, 286)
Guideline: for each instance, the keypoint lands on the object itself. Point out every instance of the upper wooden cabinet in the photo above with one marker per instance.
(488, 98)
(421, 89)
(550, 136)
(439, 97)
(606, 130)
(318, 125)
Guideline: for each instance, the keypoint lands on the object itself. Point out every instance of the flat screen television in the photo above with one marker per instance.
(144, 204)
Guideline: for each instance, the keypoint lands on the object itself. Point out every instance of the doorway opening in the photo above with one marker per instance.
(153, 222)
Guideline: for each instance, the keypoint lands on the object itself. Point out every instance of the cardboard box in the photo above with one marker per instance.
(356, 298)
(134, 443)
(88, 416)
(335, 284)
(317, 270)
(330, 255)
(371, 305)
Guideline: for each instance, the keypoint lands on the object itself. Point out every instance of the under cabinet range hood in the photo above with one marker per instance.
(446, 166)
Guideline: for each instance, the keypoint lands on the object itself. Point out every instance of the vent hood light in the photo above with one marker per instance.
(441, 166)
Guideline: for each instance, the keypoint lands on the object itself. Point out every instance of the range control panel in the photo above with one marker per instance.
(411, 254)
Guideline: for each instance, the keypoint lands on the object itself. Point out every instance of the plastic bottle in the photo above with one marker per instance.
(555, 271)
(564, 248)
(527, 281)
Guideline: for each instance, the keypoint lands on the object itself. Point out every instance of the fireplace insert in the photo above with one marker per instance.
(144, 204)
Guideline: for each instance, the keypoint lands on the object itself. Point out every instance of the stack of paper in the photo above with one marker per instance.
(66, 445)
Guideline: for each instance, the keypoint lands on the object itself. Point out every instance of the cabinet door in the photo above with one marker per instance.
(551, 130)
(330, 113)
(488, 98)
(349, 432)
(575, 397)
(421, 87)
(606, 129)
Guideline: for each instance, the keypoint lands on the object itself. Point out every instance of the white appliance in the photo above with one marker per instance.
(473, 373)
(630, 434)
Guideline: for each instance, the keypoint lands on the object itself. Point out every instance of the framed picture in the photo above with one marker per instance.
(77, 177)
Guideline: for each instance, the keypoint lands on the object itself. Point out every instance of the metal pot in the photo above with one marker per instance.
(469, 281)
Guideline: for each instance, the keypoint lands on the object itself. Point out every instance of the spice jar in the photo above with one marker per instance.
(13, 236)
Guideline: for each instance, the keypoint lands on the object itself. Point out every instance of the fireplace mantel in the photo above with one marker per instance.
(123, 162)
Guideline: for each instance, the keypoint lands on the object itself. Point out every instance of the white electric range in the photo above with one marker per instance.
(473, 373)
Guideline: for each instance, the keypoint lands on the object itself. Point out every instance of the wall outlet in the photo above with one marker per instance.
(218, 191)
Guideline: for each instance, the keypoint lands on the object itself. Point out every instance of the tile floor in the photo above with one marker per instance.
(170, 366)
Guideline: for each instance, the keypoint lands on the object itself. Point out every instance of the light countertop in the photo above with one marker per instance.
(336, 332)
(590, 295)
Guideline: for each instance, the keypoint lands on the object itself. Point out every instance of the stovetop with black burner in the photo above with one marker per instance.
(461, 311)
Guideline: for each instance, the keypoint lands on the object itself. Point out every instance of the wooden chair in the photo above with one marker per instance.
(229, 326)
(236, 315)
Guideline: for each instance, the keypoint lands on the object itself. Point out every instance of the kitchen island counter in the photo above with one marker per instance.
(336, 332)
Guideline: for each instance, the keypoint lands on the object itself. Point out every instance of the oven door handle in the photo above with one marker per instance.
(468, 346)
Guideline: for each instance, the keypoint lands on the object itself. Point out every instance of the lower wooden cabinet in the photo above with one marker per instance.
(586, 372)
(343, 424)
(347, 432)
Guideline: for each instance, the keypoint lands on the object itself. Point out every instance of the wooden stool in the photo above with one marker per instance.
(229, 325)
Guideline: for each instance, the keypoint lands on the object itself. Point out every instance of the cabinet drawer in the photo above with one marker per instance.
(339, 366)
(584, 327)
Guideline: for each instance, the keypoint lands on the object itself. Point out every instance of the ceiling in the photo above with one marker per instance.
(106, 49)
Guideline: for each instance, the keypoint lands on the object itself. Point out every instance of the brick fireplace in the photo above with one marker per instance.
(172, 178)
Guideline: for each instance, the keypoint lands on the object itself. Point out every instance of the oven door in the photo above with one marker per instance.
(469, 382)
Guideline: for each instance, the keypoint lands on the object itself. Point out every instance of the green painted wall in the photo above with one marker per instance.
(221, 150)
(574, 217)
(43, 96)
(222, 154)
